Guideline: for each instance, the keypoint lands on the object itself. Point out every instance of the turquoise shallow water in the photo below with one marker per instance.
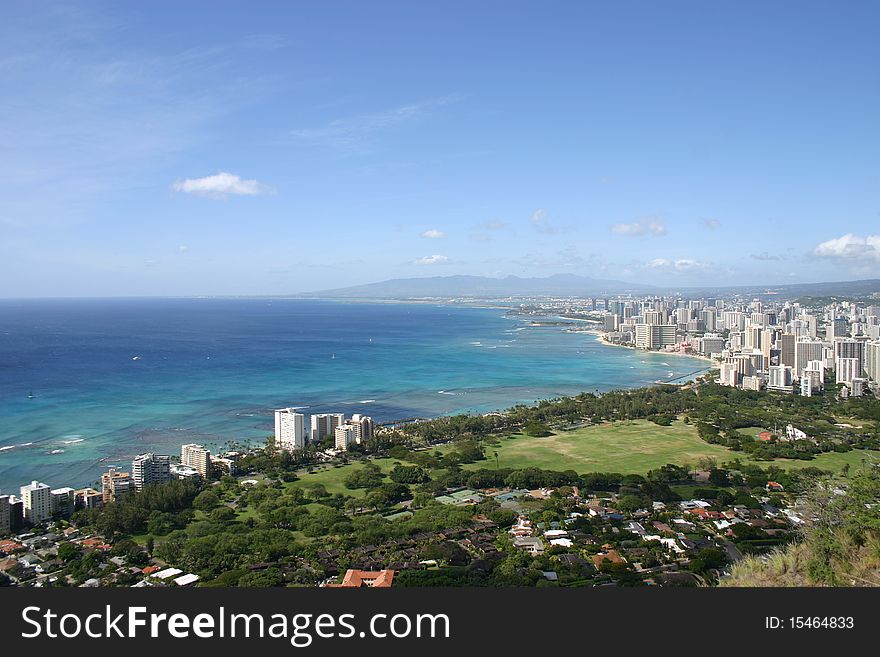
(112, 378)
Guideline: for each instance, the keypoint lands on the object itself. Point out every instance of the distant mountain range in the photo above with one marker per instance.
(484, 287)
(563, 285)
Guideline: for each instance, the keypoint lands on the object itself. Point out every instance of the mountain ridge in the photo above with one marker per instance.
(566, 284)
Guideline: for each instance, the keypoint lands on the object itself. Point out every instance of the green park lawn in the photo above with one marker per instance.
(630, 447)
(332, 478)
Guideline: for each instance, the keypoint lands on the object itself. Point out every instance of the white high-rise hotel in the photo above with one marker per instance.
(149, 468)
(290, 430)
(37, 502)
(196, 456)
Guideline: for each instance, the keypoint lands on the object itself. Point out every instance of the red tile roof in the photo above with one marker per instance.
(355, 579)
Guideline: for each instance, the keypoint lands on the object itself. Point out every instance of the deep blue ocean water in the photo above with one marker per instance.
(113, 378)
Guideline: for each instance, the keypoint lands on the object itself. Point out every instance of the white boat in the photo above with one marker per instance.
(135, 357)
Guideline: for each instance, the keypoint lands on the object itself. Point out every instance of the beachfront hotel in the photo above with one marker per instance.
(37, 498)
(196, 457)
(291, 433)
(324, 424)
(115, 484)
(149, 469)
(290, 430)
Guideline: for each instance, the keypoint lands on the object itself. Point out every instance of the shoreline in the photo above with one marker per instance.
(600, 337)
(104, 455)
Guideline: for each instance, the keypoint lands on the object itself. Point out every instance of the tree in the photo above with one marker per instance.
(67, 552)
(630, 504)
(536, 429)
(206, 500)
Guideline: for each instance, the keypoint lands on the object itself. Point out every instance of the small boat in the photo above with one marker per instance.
(135, 357)
(332, 356)
(31, 394)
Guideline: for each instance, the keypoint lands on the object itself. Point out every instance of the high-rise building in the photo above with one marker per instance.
(37, 500)
(324, 424)
(872, 360)
(88, 498)
(5, 515)
(290, 431)
(654, 336)
(196, 457)
(710, 344)
(365, 426)
(806, 350)
(115, 484)
(780, 378)
(63, 501)
(785, 343)
(346, 435)
(149, 468)
(837, 328)
(849, 348)
(847, 369)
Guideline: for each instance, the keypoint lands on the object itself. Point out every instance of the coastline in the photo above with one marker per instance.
(600, 337)
(212, 414)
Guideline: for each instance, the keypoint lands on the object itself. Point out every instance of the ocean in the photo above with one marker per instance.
(89, 383)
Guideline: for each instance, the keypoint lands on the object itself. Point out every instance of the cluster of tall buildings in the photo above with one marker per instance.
(780, 346)
(792, 348)
(292, 432)
(147, 469)
(39, 502)
(36, 503)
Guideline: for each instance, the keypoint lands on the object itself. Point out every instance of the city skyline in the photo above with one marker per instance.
(164, 150)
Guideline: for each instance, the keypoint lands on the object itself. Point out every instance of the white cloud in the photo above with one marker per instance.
(183, 248)
(220, 185)
(711, 224)
(495, 224)
(643, 227)
(680, 265)
(432, 260)
(685, 264)
(433, 234)
(851, 247)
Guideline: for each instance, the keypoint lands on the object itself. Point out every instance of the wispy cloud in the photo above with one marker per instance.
(358, 132)
(264, 41)
(541, 222)
(93, 114)
(644, 227)
(219, 186)
(765, 256)
(711, 224)
(495, 224)
(432, 260)
(681, 265)
(433, 234)
(852, 248)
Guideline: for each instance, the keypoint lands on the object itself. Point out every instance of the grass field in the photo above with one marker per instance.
(630, 447)
(332, 478)
(831, 460)
(627, 447)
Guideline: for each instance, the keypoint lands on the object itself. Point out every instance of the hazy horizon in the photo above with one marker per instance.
(300, 293)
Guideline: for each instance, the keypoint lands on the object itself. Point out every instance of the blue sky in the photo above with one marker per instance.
(274, 147)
